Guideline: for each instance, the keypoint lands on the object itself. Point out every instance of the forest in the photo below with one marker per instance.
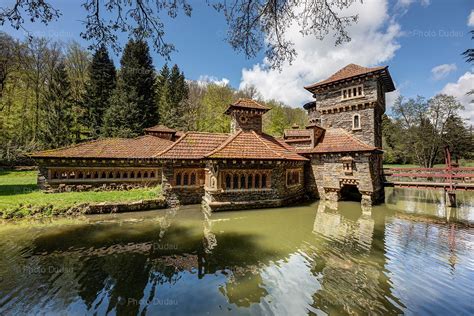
(54, 94)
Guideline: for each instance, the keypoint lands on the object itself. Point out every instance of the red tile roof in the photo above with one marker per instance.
(337, 140)
(252, 145)
(247, 104)
(193, 145)
(160, 129)
(140, 147)
(353, 70)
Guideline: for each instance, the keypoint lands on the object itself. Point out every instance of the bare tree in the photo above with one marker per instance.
(253, 25)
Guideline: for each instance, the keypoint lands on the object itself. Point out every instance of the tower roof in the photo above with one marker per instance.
(243, 103)
(352, 71)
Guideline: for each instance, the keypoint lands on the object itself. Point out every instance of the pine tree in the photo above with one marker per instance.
(122, 118)
(58, 120)
(138, 77)
(164, 107)
(172, 91)
(99, 89)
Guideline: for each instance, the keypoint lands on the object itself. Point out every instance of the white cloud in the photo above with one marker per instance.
(407, 3)
(441, 71)
(460, 89)
(470, 19)
(374, 41)
(206, 79)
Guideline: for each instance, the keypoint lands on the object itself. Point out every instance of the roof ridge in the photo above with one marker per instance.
(171, 146)
(266, 145)
(75, 145)
(225, 143)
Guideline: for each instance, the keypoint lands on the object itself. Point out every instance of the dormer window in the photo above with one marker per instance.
(352, 92)
(356, 122)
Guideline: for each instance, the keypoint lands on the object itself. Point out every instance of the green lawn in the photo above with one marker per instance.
(20, 194)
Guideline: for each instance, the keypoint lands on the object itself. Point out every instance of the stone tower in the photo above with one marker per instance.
(246, 114)
(352, 99)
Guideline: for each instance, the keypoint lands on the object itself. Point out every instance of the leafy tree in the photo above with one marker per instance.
(469, 56)
(254, 25)
(77, 64)
(424, 125)
(458, 137)
(214, 103)
(57, 124)
(98, 90)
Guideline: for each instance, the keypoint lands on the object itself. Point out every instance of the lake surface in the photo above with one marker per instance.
(411, 255)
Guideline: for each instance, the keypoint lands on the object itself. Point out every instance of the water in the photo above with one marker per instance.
(411, 255)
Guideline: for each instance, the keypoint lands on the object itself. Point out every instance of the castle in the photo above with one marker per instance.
(337, 156)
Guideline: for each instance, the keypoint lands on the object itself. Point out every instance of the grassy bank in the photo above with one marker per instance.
(20, 196)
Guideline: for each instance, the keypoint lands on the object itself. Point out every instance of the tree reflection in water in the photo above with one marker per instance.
(334, 258)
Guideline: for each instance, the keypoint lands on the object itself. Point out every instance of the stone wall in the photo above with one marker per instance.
(183, 195)
(46, 167)
(337, 113)
(243, 120)
(217, 198)
(330, 176)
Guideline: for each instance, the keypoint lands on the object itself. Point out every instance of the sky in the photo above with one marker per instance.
(420, 40)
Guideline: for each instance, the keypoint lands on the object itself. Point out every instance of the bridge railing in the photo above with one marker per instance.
(434, 177)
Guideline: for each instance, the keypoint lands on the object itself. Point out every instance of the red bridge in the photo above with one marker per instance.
(450, 178)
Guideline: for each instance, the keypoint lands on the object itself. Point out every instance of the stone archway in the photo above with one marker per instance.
(350, 192)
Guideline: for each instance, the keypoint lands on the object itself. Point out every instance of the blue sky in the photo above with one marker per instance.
(413, 37)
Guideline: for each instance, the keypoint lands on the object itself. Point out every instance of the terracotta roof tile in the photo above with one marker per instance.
(337, 140)
(252, 145)
(193, 145)
(247, 104)
(140, 147)
(348, 71)
(160, 128)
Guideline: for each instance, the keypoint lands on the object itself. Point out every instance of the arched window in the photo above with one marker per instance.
(235, 184)
(80, 175)
(88, 175)
(125, 175)
(145, 174)
(185, 179)
(111, 174)
(178, 178)
(104, 175)
(242, 181)
(257, 181)
(227, 181)
(356, 121)
(132, 174)
(117, 175)
(152, 174)
(193, 178)
(249, 181)
(139, 174)
(264, 180)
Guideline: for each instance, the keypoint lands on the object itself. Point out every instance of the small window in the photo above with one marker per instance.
(185, 179)
(227, 181)
(152, 174)
(145, 174)
(242, 181)
(132, 174)
(235, 184)
(178, 179)
(104, 175)
(193, 178)
(257, 181)
(249, 181)
(139, 174)
(356, 121)
(264, 180)
(111, 175)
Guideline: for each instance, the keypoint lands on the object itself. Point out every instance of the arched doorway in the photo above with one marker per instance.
(350, 193)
